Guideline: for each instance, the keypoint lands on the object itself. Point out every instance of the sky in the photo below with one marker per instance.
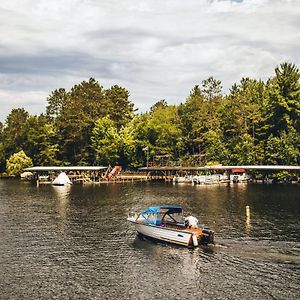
(155, 49)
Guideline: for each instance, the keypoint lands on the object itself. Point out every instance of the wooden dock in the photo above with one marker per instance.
(121, 178)
(168, 172)
(85, 174)
(101, 174)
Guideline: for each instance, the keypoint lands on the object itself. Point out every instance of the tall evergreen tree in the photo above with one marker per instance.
(56, 101)
(282, 108)
(84, 104)
(120, 109)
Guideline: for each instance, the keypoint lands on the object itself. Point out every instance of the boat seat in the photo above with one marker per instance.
(158, 223)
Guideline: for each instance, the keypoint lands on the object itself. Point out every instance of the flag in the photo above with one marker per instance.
(145, 148)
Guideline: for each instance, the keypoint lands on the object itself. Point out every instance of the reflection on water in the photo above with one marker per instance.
(74, 243)
(248, 221)
(63, 201)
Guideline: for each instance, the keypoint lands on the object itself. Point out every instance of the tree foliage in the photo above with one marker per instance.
(164, 132)
(105, 141)
(40, 140)
(256, 122)
(13, 133)
(17, 163)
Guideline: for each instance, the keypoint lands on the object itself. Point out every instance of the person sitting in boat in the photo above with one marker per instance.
(191, 222)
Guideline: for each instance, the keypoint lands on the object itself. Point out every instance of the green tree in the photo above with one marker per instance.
(140, 131)
(85, 103)
(106, 142)
(283, 149)
(211, 89)
(282, 108)
(75, 113)
(120, 108)
(12, 136)
(241, 121)
(246, 151)
(127, 145)
(159, 104)
(2, 154)
(17, 163)
(190, 114)
(56, 101)
(200, 114)
(241, 111)
(2, 157)
(164, 132)
(40, 140)
(215, 148)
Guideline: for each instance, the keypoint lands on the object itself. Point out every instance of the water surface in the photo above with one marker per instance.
(74, 243)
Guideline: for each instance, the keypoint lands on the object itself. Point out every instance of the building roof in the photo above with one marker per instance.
(220, 167)
(65, 168)
(175, 168)
(256, 167)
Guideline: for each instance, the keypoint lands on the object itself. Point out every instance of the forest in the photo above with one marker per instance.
(256, 122)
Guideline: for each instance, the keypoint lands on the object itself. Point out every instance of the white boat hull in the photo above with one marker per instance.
(165, 234)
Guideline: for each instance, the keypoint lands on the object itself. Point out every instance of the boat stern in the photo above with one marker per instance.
(207, 237)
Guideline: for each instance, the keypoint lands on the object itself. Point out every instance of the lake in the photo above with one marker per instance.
(75, 243)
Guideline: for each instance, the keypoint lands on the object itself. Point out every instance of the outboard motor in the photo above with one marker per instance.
(207, 237)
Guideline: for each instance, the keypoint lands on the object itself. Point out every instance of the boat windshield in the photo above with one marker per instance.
(175, 218)
(161, 214)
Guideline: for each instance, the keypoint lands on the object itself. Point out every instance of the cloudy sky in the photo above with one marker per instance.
(155, 49)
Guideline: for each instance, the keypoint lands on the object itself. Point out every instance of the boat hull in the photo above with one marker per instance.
(178, 237)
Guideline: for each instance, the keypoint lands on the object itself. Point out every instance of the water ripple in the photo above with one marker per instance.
(75, 243)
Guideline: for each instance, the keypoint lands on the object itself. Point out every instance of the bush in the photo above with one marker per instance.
(17, 163)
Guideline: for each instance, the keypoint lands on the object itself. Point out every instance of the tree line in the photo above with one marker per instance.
(256, 122)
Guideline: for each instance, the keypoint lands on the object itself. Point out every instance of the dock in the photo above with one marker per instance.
(177, 174)
(85, 174)
(213, 174)
(77, 174)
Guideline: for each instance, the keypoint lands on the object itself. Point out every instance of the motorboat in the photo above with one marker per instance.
(183, 179)
(166, 223)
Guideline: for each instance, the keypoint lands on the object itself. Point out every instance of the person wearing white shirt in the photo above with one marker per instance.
(191, 222)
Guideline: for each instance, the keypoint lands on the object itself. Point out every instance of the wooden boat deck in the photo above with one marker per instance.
(183, 228)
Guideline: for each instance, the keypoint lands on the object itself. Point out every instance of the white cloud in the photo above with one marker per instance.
(32, 101)
(155, 49)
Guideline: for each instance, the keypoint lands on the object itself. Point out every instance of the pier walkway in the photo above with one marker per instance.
(169, 172)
